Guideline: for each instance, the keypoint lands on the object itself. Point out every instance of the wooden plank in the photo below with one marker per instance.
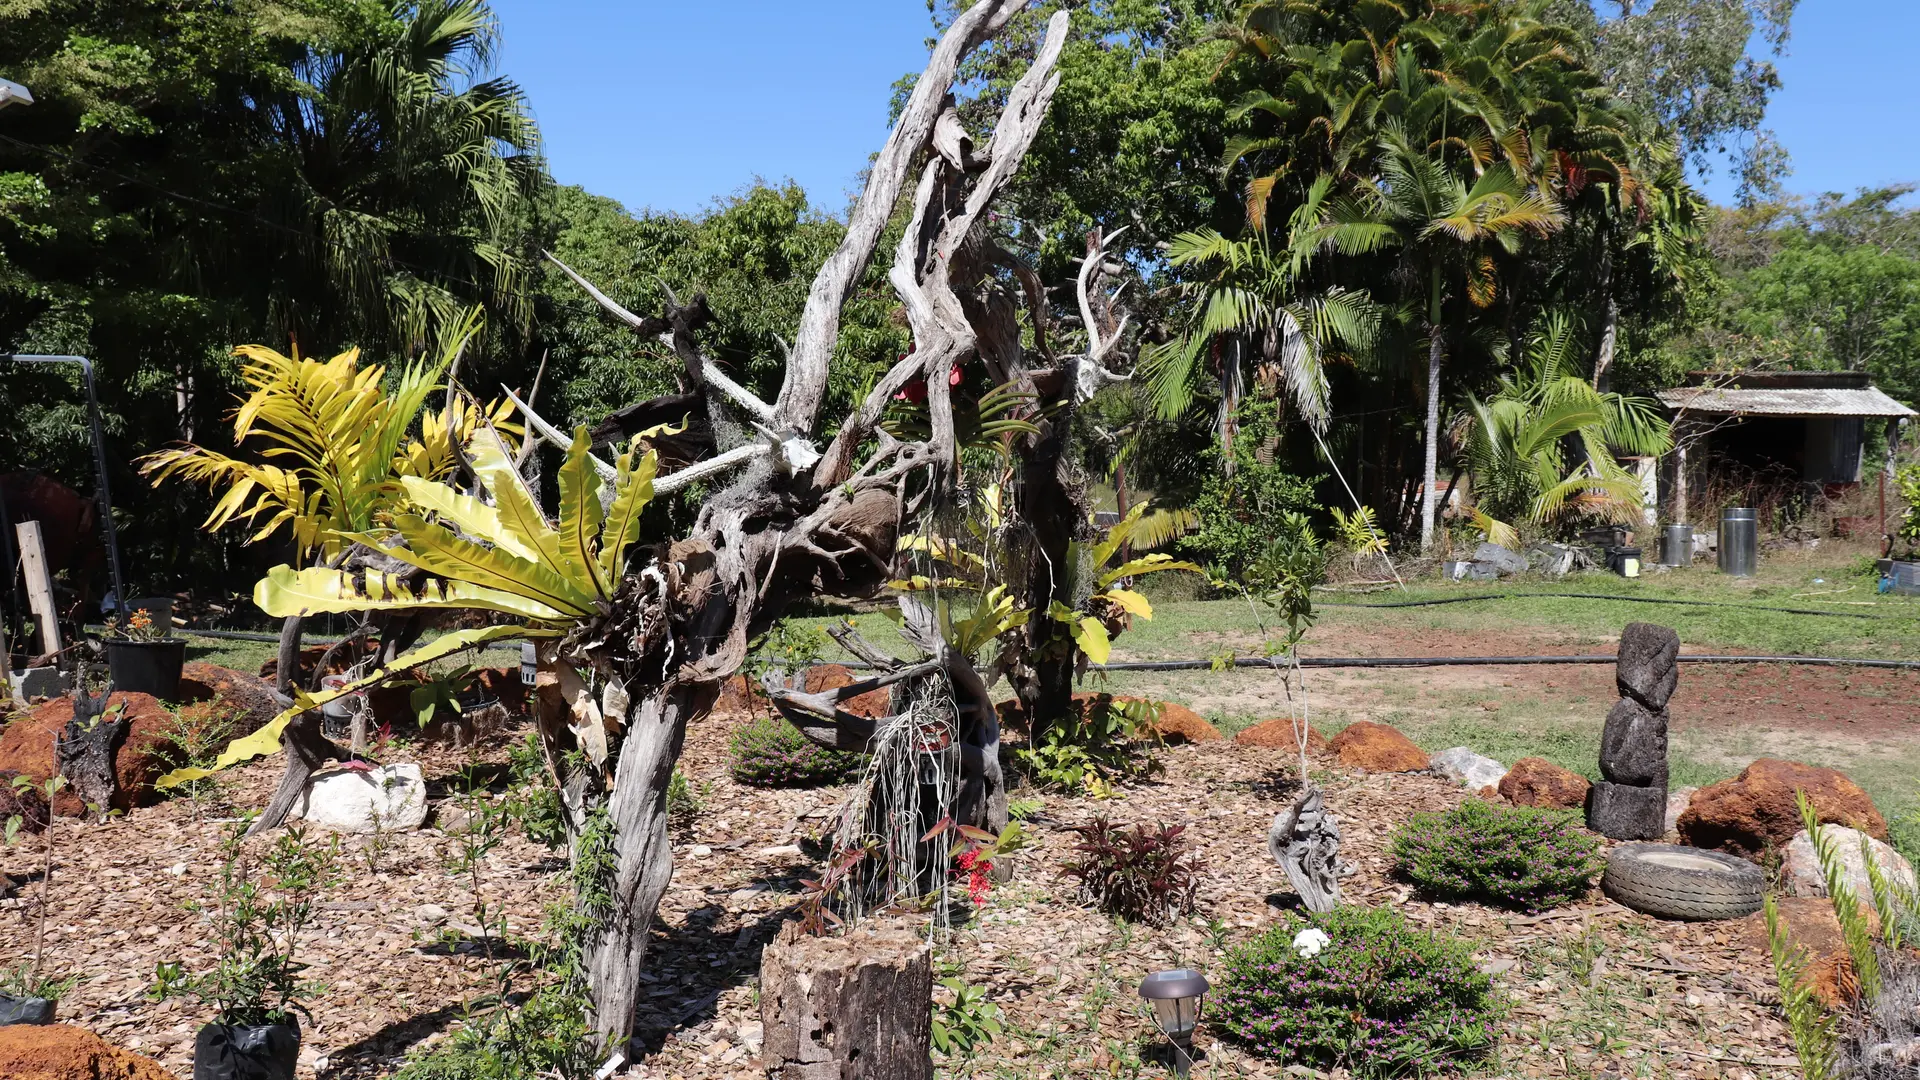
(33, 561)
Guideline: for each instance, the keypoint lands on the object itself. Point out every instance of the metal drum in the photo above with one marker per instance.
(1676, 545)
(1739, 541)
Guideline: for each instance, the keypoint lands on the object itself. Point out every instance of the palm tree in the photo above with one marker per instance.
(396, 185)
(1516, 443)
(1256, 297)
(1446, 232)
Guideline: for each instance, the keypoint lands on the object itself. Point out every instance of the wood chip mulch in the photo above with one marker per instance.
(1595, 990)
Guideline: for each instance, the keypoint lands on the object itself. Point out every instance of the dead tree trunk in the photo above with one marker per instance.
(857, 1007)
(85, 751)
(796, 522)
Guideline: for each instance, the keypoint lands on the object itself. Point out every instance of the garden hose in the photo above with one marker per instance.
(1616, 596)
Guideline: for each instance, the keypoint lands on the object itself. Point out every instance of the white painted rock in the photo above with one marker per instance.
(1677, 802)
(1800, 869)
(1476, 771)
(386, 798)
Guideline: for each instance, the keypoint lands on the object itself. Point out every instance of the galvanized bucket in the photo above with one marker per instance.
(1676, 545)
(1739, 541)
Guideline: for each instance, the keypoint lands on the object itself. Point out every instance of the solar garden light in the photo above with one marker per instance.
(1175, 998)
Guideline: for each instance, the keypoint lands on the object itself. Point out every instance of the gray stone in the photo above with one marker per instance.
(1800, 873)
(1633, 745)
(1647, 669)
(1624, 812)
(39, 682)
(383, 799)
(1476, 771)
(1553, 560)
(1677, 802)
(1503, 560)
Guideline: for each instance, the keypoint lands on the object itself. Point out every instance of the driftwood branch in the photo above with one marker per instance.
(805, 385)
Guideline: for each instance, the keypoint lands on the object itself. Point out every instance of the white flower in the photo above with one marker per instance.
(1310, 941)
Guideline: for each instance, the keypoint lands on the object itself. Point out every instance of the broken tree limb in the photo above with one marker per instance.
(805, 384)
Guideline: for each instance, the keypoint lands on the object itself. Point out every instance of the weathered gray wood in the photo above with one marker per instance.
(1305, 841)
(679, 625)
(857, 1007)
(33, 562)
(87, 746)
(805, 385)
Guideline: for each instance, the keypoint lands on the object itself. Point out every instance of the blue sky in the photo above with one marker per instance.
(669, 105)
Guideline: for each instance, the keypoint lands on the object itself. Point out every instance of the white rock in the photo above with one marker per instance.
(1677, 802)
(1800, 869)
(1474, 770)
(699, 851)
(390, 797)
(431, 914)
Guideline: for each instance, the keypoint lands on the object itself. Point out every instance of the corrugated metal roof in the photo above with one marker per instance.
(1823, 402)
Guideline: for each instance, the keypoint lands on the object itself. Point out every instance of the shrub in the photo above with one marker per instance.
(1142, 876)
(1379, 998)
(1100, 740)
(768, 752)
(1521, 857)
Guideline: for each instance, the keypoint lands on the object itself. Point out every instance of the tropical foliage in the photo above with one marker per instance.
(347, 436)
(506, 557)
(1516, 443)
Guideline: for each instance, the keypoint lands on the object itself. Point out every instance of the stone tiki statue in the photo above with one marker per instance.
(1630, 804)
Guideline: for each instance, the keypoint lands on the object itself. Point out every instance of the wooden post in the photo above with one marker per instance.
(858, 1007)
(33, 560)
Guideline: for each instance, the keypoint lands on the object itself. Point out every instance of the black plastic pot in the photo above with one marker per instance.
(31, 1010)
(233, 1052)
(147, 667)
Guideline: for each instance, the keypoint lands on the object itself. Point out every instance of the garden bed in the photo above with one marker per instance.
(1595, 989)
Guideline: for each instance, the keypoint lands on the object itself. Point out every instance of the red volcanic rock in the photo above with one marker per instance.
(26, 747)
(1364, 744)
(1757, 810)
(1538, 782)
(1279, 735)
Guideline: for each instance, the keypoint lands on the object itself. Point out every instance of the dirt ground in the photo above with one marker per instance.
(1595, 990)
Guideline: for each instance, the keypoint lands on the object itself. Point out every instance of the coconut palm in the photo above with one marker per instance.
(1446, 232)
(1517, 442)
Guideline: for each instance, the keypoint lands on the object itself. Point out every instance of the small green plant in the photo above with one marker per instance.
(684, 801)
(791, 646)
(1024, 809)
(1141, 875)
(442, 694)
(966, 1021)
(1816, 1033)
(769, 752)
(22, 980)
(1907, 480)
(31, 973)
(1359, 533)
(192, 738)
(532, 798)
(258, 915)
(1098, 742)
(1520, 857)
(1854, 929)
(1368, 993)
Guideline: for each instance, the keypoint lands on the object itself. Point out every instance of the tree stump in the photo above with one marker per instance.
(85, 749)
(1631, 803)
(858, 1007)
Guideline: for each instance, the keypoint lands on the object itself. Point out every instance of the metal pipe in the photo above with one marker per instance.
(104, 495)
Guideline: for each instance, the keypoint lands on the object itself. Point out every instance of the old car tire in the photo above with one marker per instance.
(1677, 882)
